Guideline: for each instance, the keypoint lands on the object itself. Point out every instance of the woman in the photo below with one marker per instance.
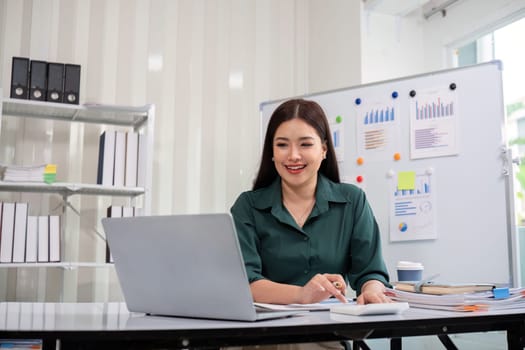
(304, 234)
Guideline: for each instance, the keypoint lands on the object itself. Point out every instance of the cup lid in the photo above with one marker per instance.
(409, 265)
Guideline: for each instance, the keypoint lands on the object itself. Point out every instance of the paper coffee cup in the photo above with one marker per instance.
(409, 271)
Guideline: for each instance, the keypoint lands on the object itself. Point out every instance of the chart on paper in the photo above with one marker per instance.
(378, 128)
(412, 216)
(433, 124)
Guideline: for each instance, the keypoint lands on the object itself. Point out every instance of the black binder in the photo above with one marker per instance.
(38, 80)
(55, 82)
(20, 78)
(72, 84)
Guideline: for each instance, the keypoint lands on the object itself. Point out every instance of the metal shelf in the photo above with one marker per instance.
(63, 265)
(69, 189)
(87, 113)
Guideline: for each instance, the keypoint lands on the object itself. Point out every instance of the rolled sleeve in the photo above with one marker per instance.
(248, 240)
(367, 259)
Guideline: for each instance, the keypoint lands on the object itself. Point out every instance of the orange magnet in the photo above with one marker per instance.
(359, 178)
(397, 156)
(360, 161)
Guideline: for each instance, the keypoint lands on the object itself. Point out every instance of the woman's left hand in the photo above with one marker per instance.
(373, 291)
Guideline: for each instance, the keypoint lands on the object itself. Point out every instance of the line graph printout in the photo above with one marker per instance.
(412, 202)
(377, 129)
(433, 123)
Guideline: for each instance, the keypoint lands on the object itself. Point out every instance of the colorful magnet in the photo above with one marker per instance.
(359, 178)
(397, 156)
(357, 101)
(338, 119)
(412, 93)
(394, 94)
(360, 161)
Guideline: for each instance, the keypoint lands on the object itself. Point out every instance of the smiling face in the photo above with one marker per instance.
(298, 152)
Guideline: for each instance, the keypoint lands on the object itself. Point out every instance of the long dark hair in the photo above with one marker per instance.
(311, 113)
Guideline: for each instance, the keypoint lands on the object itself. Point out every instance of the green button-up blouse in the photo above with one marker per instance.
(340, 236)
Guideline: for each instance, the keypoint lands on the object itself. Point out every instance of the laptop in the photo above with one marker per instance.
(183, 265)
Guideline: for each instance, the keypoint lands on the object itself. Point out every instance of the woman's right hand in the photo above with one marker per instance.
(321, 287)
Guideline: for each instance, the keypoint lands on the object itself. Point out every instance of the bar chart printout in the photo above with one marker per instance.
(433, 124)
(412, 213)
(337, 130)
(377, 129)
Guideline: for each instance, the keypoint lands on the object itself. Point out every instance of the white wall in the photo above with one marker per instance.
(392, 46)
(334, 44)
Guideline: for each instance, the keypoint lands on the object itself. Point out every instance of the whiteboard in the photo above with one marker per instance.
(447, 128)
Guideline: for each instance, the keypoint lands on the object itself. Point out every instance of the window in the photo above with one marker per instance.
(506, 44)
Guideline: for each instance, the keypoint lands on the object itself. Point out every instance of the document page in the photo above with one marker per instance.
(323, 305)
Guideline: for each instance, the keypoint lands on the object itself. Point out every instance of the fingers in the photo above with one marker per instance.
(335, 285)
(340, 296)
(367, 299)
(322, 286)
(373, 291)
(373, 298)
(337, 281)
(340, 291)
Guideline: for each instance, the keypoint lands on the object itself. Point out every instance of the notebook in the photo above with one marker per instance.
(183, 265)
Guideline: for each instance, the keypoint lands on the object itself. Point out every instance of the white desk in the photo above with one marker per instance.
(110, 325)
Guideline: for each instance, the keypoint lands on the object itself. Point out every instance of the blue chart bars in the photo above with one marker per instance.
(336, 136)
(379, 116)
(410, 205)
(434, 110)
(422, 188)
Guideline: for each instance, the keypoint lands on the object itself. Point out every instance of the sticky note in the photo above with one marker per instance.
(49, 178)
(501, 293)
(50, 169)
(406, 180)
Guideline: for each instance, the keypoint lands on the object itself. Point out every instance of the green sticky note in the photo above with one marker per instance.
(406, 180)
(49, 178)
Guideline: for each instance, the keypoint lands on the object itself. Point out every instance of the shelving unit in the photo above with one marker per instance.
(138, 119)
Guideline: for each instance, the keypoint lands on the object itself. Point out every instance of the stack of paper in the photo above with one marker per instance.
(515, 297)
(36, 173)
(321, 306)
(19, 344)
